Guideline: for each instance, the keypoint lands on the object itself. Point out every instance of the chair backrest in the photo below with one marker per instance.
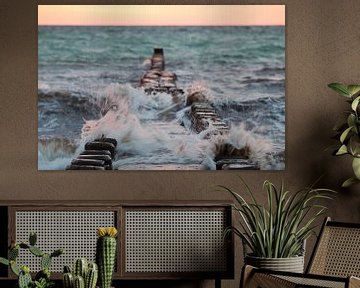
(337, 251)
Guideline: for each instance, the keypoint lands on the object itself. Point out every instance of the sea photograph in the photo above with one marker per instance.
(161, 87)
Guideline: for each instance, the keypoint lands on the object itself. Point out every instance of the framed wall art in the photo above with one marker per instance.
(161, 87)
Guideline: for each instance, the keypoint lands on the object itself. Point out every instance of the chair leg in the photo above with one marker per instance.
(246, 273)
(217, 283)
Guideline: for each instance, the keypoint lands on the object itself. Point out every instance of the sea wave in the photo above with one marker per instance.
(55, 153)
(80, 98)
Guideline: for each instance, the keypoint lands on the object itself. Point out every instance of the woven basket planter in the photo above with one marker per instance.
(291, 264)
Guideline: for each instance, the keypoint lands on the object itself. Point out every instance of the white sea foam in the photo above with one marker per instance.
(156, 142)
(55, 154)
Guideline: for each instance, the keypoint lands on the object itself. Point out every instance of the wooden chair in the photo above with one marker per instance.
(334, 263)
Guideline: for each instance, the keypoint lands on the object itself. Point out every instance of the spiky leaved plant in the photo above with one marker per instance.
(106, 254)
(279, 229)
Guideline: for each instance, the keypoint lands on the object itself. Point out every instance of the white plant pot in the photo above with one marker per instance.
(291, 264)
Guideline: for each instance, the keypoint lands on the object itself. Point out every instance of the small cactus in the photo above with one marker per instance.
(67, 269)
(79, 282)
(67, 278)
(80, 267)
(13, 253)
(90, 272)
(24, 278)
(91, 276)
(57, 252)
(45, 261)
(36, 251)
(106, 254)
(32, 238)
(44, 273)
(24, 245)
(4, 261)
(14, 268)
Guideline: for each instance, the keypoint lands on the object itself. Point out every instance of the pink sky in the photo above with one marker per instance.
(161, 15)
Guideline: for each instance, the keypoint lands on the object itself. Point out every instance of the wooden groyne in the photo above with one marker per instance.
(157, 79)
(99, 154)
(204, 117)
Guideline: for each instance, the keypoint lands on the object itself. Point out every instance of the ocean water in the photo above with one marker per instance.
(84, 72)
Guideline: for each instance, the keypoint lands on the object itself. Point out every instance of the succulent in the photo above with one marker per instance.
(106, 254)
(13, 253)
(80, 268)
(79, 282)
(42, 283)
(85, 275)
(68, 278)
(24, 277)
(42, 278)
(45, 261)
(32, 239)
(91, 276)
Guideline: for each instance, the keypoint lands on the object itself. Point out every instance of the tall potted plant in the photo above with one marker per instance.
(276, 233)
(348, 132)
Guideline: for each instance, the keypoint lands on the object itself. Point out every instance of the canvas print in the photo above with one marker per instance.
(157, 87)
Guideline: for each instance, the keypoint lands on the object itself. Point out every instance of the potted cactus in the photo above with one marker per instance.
(84, 275)
(106, 254)
(42, 278)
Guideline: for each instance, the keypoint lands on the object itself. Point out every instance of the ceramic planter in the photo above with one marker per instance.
(291, 264)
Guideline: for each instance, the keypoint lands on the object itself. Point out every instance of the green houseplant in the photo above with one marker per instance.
(84, 274)
(348, 132)
(42, 278)
(276, 233)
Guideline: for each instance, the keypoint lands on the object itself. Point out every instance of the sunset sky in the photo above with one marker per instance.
(161, 15)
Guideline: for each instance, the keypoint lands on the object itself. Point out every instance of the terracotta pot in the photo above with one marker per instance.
(291, 264)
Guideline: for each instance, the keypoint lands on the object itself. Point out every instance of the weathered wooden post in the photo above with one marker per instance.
(98, 155)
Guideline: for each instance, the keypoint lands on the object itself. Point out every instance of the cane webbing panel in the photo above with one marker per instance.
(175, 241)
(338, 252)
(260, 280)
(75, 231)
(313, 282)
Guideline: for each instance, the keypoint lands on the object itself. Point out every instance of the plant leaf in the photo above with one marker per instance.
(351, 120)
(4, 261)
(279, 228)
(342, 150)
(340, 88)
(349, 182)
(355, 103)
(356, 167)
(345, 134)
(353, 89)
(354, 145)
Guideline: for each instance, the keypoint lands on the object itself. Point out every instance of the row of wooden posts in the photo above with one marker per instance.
(98, 154)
